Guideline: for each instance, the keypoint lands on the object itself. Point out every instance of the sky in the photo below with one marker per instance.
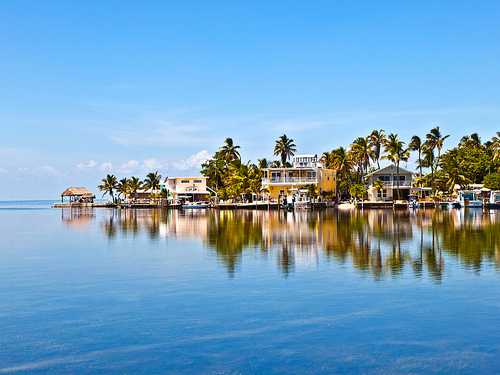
(89, 88)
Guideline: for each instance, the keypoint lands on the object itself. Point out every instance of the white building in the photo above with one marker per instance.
(192, 189)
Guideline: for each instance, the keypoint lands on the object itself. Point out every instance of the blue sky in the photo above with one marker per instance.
(92, 87)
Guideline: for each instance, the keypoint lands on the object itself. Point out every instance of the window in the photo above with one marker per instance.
(382, 193)
(311, 175)
(328, 176)
(383, 178)
(282, 192)
(198, 181)
(184, 181)
(401, 178)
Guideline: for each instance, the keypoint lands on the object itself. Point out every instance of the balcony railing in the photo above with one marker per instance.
(289, 180)
(395, 184)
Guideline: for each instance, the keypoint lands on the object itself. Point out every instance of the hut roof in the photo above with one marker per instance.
(77, 192)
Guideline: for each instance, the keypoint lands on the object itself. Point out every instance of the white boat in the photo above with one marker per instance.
(297, 201)
(468, 199)
(413, 201)
(494, 199)
(346, 205)
(195, 205)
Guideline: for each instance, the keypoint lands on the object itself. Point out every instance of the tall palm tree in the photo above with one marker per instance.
(429, 161)
(152, 181)
(326, 159)
(134, 184)
(341, 162)
(285, 148)
(396, 153)
(379, 184)
(452, 173)
(376, 140)
(435, 140)
(122, 186)
(229, 151)
(495, 146)
(109, 183)
(361, 154)
(416, 145)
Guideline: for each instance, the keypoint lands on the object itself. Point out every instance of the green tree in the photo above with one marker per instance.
(429, 161)
(285, 148)
(361, 155)
(379, 185)
(376, 140)
(229, 151)
(109, 183)
(134, 184)
(396, 153)
(492, 181)
(152, 181)
(495, 146)
(435, 139)
(122, 186)
(416, 145)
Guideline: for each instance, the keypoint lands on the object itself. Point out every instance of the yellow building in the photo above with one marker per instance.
(306, 170)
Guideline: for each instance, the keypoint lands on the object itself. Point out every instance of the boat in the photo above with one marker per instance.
(346, 205)
(195, 205)
(468, 199)
(494, 201)
(297, 201)
(413, 201)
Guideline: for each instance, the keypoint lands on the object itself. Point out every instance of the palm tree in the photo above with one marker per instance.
(164, 194)
(134, 184)
(274, 164)
(495, 146)
(396, 153)
(229, 151)
(215, 170)
(376, 140)
(152, 181)
(341, 162)
(435, 140)
(429, 161)
(262, 163)
(326, 159)
(471, 142)
(416, 145)
(122, 186)
(452, 173)
(379, 184)
(109, 183)
(357, 191)
(284, 148)
(361, 154)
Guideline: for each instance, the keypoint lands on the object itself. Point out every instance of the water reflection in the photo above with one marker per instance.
(375, 243)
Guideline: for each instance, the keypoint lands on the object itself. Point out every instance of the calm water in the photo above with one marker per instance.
(208, 292)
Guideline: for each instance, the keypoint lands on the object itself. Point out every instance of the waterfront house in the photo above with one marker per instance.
(389, 176)
(192, 189)
(305, 170)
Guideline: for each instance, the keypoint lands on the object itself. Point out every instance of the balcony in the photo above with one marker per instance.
(394, 184)
(289, 180)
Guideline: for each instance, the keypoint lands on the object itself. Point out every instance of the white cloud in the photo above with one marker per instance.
(132, 164)
(89, 165)
(3, 170)
(152, 165)
(47, 169)
(106, 166)
(193, 161)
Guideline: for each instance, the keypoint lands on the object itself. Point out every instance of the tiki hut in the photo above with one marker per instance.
(78, 195)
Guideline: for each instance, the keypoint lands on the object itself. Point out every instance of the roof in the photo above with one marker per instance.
(390, 169)
(77, 192)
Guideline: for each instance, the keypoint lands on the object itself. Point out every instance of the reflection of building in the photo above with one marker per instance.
(188, 188)
(389, 176)
(306, 170)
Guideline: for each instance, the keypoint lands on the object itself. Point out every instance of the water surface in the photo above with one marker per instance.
(231, 292)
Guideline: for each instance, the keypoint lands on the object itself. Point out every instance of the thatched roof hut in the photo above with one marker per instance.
(79, 192)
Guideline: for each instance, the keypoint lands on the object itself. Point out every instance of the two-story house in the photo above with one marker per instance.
(305, 170)
(192, 189)
(389, 176)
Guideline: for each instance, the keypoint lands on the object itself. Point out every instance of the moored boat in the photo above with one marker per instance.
(468, 199)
